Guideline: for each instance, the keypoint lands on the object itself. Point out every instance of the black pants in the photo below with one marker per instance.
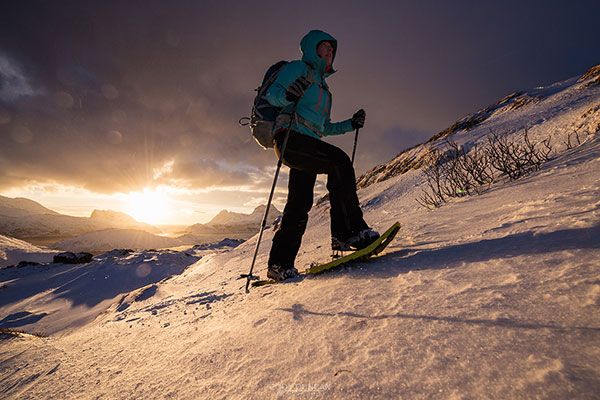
(307, 157)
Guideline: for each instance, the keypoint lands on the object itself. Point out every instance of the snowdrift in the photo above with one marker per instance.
(13, 251)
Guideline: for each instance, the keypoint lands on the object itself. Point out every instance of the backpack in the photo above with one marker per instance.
(262, 120)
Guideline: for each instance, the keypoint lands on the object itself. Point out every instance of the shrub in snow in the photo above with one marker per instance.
(461, 172)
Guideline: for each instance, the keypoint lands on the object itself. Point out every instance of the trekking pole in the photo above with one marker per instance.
(249, 275)
(354, 149)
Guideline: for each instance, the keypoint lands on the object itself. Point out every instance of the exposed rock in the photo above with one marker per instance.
(414, 157)
(73, 258)
(22, 264)
(593, 72)
(227, 242)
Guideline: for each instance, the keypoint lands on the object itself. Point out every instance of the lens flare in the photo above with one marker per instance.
(143, 270)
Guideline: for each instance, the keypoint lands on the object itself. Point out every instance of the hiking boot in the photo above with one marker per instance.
(340, 245)
(279, 273)
(356, 242)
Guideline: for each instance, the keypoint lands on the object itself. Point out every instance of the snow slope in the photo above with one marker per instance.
(108, 239)
(12, 251)
(557, 111)
(62, 297)
(18, 206)
(491, 296)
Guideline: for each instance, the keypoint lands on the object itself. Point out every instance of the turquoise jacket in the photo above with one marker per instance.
(315, 105)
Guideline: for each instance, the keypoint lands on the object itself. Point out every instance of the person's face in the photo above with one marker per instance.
(325, 51)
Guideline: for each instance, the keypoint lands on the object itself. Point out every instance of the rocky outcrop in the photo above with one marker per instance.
(73, 258)
(593, 75)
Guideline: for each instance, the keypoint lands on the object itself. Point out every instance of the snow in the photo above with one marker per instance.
(107, 239)
(28, 219)
(116, 219)
(12, 251)
(228, 222)
(20, 206)
(489, 296)
(62, 297)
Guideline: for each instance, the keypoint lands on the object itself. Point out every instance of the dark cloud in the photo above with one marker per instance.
(105, 94)
(201, 174)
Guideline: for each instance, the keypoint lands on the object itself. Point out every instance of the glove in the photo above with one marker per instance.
(358, 119)
(296, 89)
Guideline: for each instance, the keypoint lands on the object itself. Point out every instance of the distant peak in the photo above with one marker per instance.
(28, 205)
(110, 215)
(261, 209)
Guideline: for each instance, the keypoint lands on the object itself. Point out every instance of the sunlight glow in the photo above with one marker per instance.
(152, 207)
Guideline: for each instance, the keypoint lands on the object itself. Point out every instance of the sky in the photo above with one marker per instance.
(134, 105)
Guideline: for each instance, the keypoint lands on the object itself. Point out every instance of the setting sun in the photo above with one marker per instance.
(152, 207)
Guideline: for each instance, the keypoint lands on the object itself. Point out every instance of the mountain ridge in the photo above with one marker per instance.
(414, 157)
(18, 206)
(228, 221)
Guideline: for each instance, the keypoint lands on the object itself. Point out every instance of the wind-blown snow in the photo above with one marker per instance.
(57, 297)
(491, 296)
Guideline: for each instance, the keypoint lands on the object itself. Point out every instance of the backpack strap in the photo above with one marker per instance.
(284, 118)
(310, 75)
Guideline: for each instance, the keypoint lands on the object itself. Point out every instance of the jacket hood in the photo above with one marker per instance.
(308, 47)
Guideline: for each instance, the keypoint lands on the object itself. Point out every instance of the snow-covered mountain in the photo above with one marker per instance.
(24, 218)
(47, 225)
(490, 296)
(120, 220)
(19, 206)
(231, 222)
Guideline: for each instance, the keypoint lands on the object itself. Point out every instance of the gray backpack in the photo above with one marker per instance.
(264, 113)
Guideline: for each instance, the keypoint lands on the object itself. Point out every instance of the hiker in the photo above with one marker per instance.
(307, 155)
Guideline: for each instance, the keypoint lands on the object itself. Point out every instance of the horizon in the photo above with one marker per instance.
(136, 216)
(134, 109)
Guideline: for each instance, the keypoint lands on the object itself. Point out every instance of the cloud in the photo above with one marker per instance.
(125, 93)
(13, 82)
(204, 173)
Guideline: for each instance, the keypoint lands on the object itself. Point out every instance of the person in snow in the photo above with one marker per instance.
(307, 155)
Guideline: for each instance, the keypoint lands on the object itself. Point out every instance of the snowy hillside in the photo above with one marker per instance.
(19, 206)
(108, 239)
(228, 221)
(12, 251)
(542, 111)
(87, 289)
(492, 296)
